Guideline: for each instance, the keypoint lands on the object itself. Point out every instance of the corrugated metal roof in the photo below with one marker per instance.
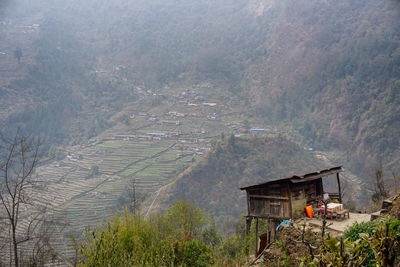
(300, 178)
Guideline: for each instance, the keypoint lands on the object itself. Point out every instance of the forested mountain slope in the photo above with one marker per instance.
(333, 70)
(125, 86)
(328, 69)
(213, 181)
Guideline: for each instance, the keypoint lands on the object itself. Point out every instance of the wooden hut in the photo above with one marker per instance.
(286, 198)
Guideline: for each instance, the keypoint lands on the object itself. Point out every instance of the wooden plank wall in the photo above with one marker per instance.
(270, 201)
(274, 200)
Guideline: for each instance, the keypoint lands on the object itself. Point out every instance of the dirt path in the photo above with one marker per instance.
(154, 200)
(340, 226)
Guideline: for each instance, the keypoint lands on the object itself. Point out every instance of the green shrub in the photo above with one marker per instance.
(127, 241)
(194, 253)
(172, 239)
(353, 232)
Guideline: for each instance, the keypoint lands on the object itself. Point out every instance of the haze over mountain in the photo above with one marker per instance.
(93, 74)
(329, 69)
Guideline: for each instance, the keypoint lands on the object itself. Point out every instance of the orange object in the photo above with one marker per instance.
(309, 211)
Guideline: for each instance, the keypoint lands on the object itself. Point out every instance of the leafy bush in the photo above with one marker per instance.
(353, 232)
(194, 253)
(386, 242)
(127, 241)
(374, 243)
(356, 231)
(165, 240)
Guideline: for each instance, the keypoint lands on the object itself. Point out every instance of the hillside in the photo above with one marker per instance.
(213, 181)
(327, 71)
(332, 72)
(143, 89)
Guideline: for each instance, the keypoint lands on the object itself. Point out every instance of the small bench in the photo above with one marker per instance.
(342, 213)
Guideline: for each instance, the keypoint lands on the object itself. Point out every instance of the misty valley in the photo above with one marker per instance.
(128, 129)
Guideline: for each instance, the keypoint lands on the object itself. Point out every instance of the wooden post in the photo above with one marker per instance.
(272, 226)
(248, 224)
(248, 202)
(290, 201)
(256, 242)
(340, 192)
(268, 232)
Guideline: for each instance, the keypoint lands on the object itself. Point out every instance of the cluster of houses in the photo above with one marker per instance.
(188, 140)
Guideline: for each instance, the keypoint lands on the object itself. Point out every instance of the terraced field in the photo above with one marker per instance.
(85, 199)
(127, 151)
(156, 143)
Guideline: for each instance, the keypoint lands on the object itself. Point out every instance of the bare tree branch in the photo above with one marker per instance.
(19, 158)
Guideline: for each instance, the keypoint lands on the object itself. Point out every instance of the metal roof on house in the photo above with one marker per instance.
(157, 134)
(299, 178)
